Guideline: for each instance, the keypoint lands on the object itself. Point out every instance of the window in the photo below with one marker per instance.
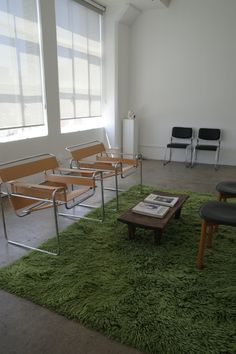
(79, 62)
(21, 87)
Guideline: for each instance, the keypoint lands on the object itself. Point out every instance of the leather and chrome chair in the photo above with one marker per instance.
(36, 183)
(208, 139)
(181, 138)
(213, 213)
(94, 156)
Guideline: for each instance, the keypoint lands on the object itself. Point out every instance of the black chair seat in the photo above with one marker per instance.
(177, 145)
(206, 147)
(226, 187)
(208, 139)
(181, 138)
(219, 213)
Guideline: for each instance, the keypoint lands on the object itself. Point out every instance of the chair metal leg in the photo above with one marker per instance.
(3, 218)
(103, 202)
(141, 173)
(165, 162)
(22, 245)
(194, 159)
(201, 248)
(217, 159)
(191, 155)
(56, 223)
(188, 164)
(76, 216)
(186, 156)
(170, 154)
(117, 196)
(116, 190)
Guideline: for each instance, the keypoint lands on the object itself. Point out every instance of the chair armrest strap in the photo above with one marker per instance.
(67, 179)
(101, 166)
(21, 190)
(120, 160)
(78, 171)
(16, 184)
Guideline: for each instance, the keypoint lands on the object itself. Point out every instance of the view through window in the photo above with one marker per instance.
(22, 103)
(79, 63)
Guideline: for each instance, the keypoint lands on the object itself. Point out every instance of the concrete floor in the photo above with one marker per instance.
(26, 328)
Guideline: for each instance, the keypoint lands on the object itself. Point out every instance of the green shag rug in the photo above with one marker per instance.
(143, 295)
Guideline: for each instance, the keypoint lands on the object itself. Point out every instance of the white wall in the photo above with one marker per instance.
(55, 142)
(123, 76)
(183, 72)
(109, 77)
(173, 66)
(116, 72)
(119, 19)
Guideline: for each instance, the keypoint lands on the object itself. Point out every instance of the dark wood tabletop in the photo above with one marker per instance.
(134, 220)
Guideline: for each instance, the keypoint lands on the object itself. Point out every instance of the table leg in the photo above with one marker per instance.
(131, 231)
(157, 236)
(177, 214)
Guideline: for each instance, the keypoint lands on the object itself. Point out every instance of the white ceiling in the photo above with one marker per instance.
(141, 4)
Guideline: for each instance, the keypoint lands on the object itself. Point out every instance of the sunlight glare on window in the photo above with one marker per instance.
(21, 85)
(79, 62)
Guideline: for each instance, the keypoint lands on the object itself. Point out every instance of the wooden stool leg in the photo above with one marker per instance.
(201, 248)
(210, 234)
(221, 198)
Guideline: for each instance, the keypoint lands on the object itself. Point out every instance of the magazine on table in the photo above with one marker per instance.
(150, 209)
(161, 200)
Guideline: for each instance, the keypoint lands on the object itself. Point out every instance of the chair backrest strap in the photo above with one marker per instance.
(88, 151)
(20, 170)
(182, 132)
(209, 134)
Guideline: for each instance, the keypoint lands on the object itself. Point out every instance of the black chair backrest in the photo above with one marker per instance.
(209, 134)
(182, 132)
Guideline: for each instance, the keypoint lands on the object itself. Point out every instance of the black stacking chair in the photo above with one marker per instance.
(181, 138)
(209, 140)
(213, 214)
(226, 189)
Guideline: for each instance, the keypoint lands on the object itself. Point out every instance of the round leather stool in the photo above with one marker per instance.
(226, 189)
(213, 214)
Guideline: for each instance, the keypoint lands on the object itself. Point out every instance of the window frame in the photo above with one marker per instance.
(26, 131)
(79, 122)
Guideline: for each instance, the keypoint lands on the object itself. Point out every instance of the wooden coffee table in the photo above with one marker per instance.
(134, 220)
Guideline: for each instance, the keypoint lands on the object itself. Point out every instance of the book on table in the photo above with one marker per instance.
(161, 200)
(150, 209)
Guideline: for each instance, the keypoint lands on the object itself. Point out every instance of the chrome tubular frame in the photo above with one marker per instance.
(27, 212)
(80, 203)
(116, 166)
(39, 202)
